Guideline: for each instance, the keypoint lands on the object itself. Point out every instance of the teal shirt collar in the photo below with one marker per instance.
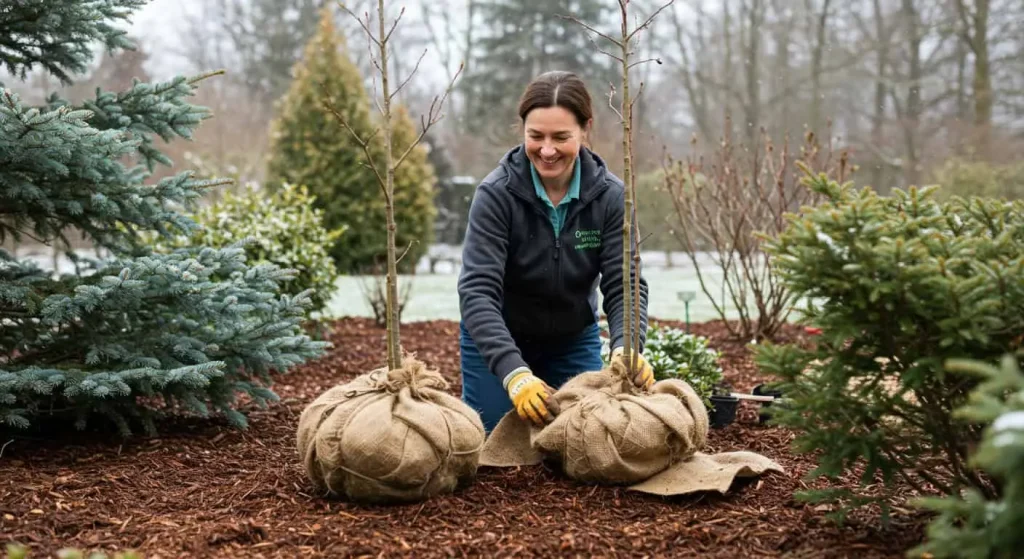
(574, 185)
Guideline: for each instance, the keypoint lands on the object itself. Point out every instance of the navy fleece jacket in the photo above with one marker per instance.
(522, 284)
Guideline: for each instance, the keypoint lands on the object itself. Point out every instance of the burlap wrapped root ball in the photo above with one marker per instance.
(611, 432)
(390, 437)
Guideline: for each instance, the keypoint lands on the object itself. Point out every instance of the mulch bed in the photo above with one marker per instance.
(204, 489)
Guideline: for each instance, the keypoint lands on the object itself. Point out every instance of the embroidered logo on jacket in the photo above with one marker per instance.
(588, 239)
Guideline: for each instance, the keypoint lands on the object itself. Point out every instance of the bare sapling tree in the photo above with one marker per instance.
(379, 43)
(725, 206)
(625, 44)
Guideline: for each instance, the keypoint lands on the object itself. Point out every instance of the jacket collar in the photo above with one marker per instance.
(593, 174)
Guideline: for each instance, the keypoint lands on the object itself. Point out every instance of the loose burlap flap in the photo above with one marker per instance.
(609, 432)
(706, 472)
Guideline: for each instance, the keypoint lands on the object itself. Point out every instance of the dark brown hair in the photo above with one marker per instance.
(557, 89)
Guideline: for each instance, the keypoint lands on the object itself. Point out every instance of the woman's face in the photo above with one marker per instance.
(553, 139)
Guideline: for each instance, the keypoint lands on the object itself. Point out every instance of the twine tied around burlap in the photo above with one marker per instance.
(390, 437)
(609, 431)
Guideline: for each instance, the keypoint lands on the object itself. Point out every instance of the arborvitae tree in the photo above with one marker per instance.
(139, 331)
(308, 147)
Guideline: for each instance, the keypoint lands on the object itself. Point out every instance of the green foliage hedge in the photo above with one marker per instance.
(898, 285)
(281, 228)
(961, 177)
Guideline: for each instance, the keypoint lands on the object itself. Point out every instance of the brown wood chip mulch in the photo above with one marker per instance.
(203, 489)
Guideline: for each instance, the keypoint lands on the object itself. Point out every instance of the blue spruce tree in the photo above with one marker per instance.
(135, 334)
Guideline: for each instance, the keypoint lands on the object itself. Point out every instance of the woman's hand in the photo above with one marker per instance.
(645, 377)
(530, 397)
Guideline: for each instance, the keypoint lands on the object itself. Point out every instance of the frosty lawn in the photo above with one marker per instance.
(434, 296)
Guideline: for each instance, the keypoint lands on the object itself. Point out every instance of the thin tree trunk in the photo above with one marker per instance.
(961, 81)
(912, 114)
(467, 56)
(751, 70)
(394, 345)
(627, 177)
(817, 57)
(982, 76)
(782, 44)
(878, 111)
(727, 77)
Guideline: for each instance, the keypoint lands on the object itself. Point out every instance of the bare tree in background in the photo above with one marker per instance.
(973, 31)
(452, 39)
(724, 203)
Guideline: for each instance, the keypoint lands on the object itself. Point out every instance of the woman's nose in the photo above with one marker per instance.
(547, 151)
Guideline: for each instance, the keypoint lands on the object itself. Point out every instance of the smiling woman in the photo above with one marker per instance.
(543, 227)
(557, 116)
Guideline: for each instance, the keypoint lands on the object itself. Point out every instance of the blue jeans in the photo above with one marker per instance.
(482, 390)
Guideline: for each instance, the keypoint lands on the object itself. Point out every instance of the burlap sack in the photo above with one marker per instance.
(390, 437)
(607, 431)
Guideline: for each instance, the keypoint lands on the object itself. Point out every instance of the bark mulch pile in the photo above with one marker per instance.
(203, 489)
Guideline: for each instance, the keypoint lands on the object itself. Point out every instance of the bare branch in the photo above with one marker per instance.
(647, 23)
(202, 77)
(658, 60)
(409, 77)
(361, 24)
(611, 97)
(365, 144)
(434, 115)
(394, 25)
(602, 51)
(639, 92)
(591, 29)
(406, 251)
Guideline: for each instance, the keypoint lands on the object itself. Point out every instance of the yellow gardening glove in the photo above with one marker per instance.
(530, 396)
(645, 378)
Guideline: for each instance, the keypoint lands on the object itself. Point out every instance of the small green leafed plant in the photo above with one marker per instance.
(970, 525)
(674, 353)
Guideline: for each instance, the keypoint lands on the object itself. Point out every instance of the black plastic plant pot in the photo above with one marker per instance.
(761, 390)
(723, 410)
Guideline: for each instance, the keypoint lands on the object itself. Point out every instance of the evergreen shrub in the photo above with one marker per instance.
(970, 525)
(898, 285)
(283, 228)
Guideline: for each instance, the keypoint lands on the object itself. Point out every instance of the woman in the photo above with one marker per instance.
(544, 226)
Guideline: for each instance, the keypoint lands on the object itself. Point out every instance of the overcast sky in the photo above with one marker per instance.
(157, 26)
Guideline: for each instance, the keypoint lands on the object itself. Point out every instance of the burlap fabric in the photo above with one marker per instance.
(390, 437)
(608, 431)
